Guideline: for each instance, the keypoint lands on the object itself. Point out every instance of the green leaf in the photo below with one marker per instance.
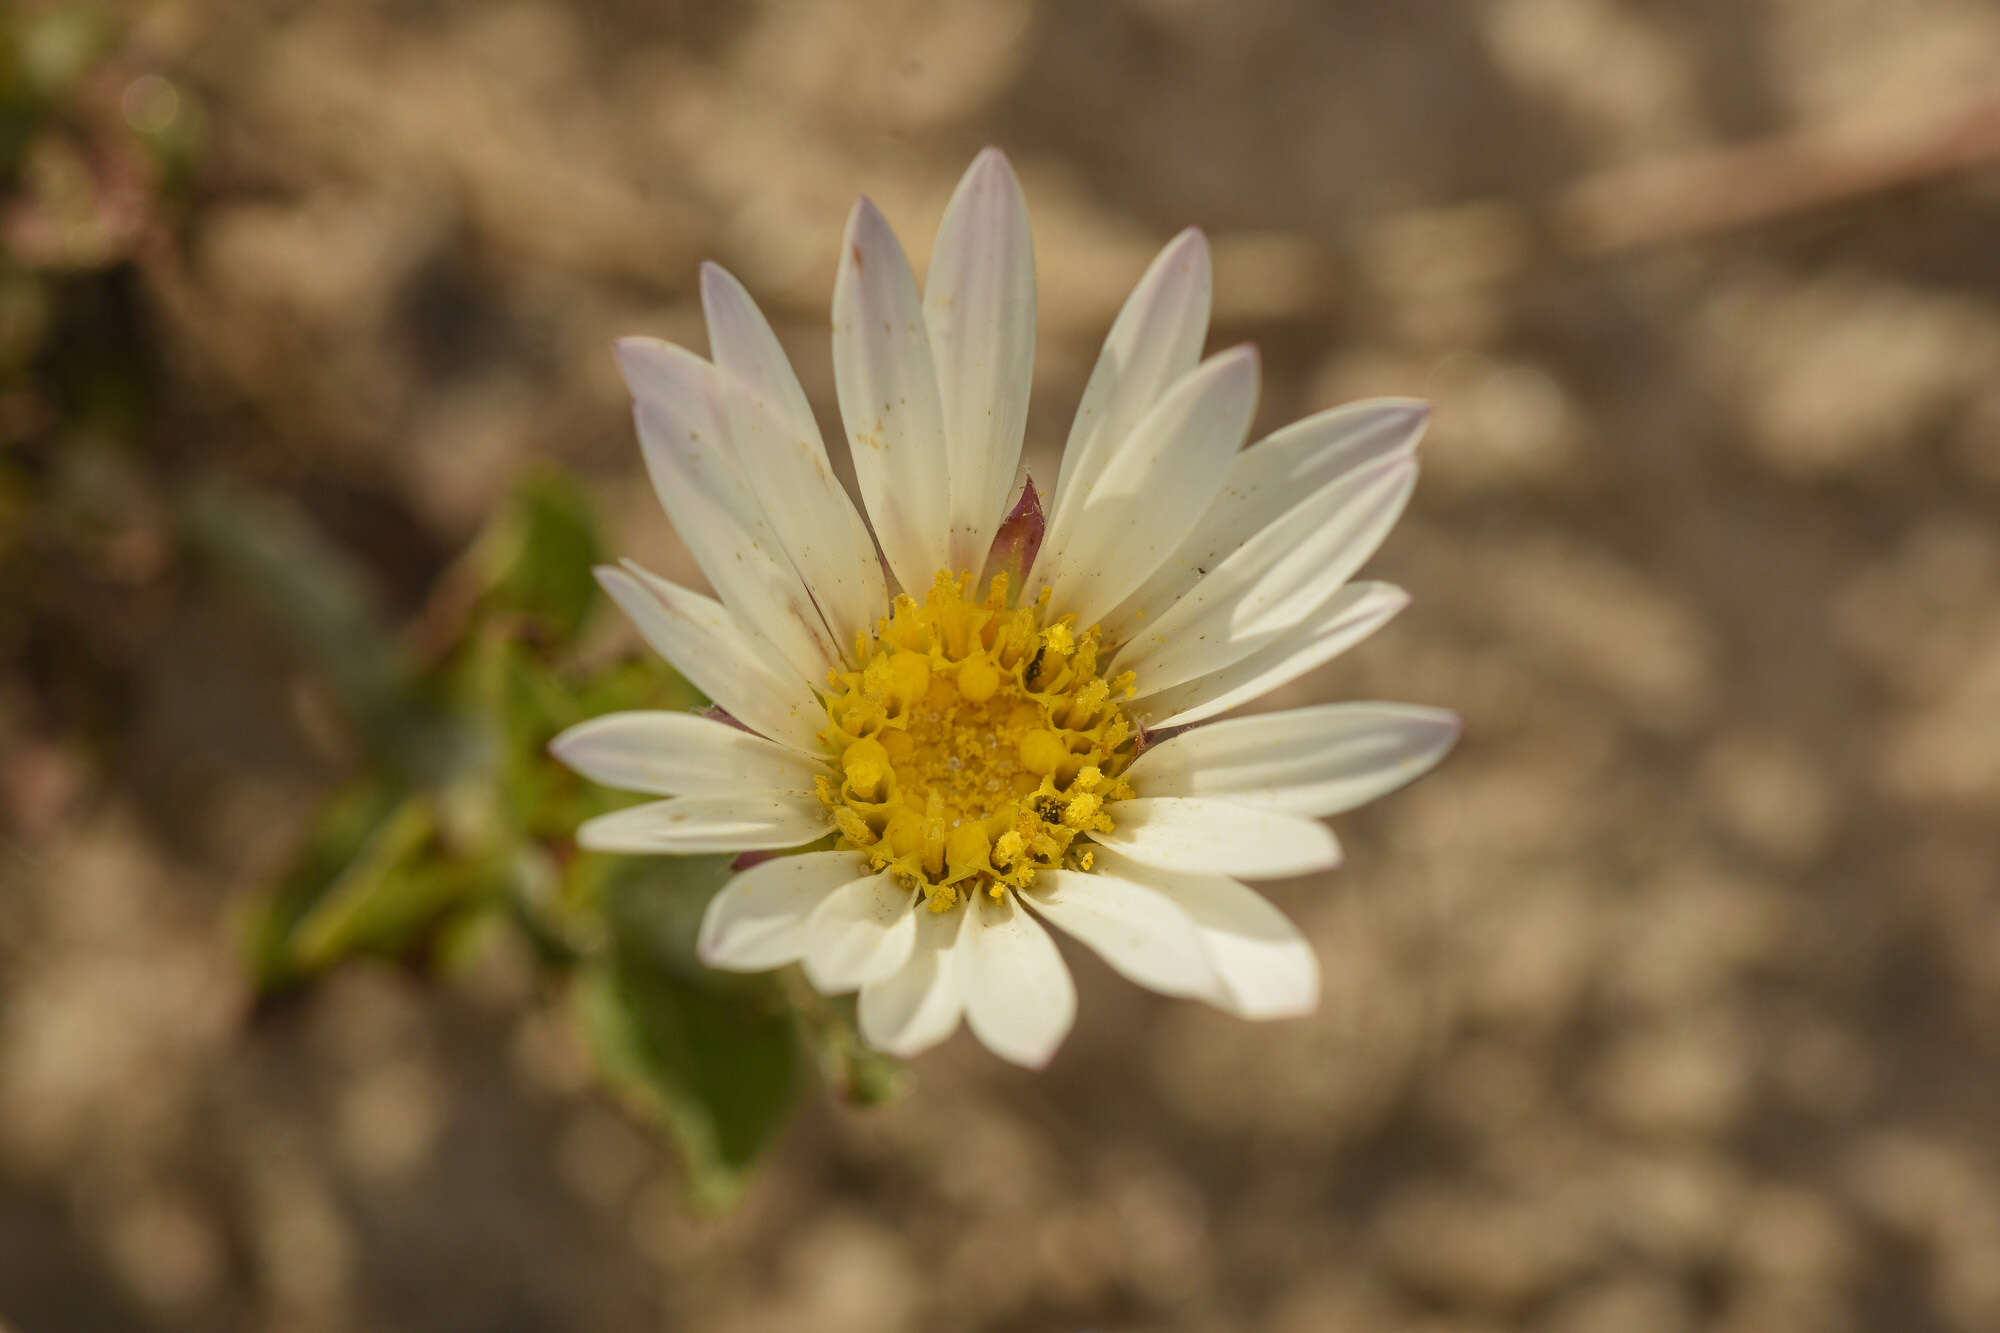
(716, 1073)
(393, 894)
(710, 1058)
(522, 702)
(554, 903)
(653, 907)
(346, 826)
(539, 560)
(336, 922)
(373, 877)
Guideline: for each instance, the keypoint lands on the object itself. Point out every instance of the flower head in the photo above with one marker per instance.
(964, 742)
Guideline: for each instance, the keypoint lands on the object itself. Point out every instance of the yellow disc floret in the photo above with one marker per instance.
(976, 744)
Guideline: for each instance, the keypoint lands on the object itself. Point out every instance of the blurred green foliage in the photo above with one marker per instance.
(460, 819)
(455, 826)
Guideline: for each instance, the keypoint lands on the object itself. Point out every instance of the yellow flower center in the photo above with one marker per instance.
(975, 744)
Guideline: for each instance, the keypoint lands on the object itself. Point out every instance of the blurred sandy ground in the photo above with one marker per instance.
(1671, 1002)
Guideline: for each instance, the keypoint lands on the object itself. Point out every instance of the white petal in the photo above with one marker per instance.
(1308, 761)
(758, 920)
(778, 445)
(883, 372)
(979, 306)
(1219, 837)
(1266, 480)
(863, 932)
(684, 433)
(1019, 999)
(726, 662)
(1146, 938)
(1348, 617)
(741, 343)
(1264, 967)
(1156, 484)
(685, 824)
(1274, 582)
(1155, 340)
(674, 754)
(920, 1004)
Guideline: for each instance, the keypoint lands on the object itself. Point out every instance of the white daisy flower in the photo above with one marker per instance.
(969, 757)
